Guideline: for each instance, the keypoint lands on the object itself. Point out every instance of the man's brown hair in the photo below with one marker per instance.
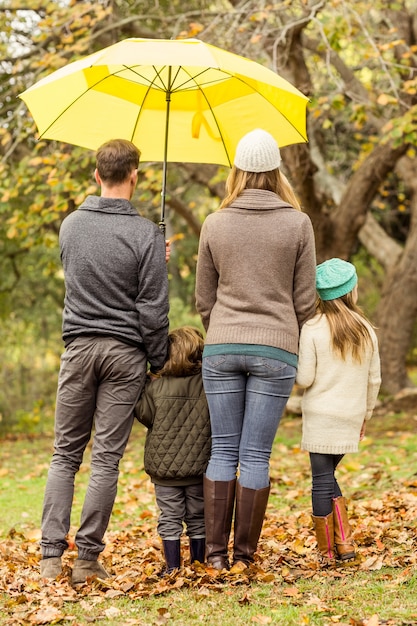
(115, 161)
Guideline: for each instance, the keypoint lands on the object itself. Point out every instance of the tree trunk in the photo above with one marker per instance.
(397, 310)
(379, 244)
(349, 217)
(396, 317)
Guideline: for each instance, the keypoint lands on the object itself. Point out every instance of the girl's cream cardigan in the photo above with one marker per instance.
(339, 395)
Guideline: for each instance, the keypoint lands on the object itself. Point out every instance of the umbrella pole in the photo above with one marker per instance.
(164, 169)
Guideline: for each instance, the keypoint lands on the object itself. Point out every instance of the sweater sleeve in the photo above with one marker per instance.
(307, 359)
(152, 302)
(304, 293)
(374, 380)
(206, 279)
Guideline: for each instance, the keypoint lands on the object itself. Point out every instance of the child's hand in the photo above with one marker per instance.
(169, 242)
(363, 429)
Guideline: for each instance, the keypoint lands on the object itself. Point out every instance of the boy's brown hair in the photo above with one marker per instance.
(185, 352)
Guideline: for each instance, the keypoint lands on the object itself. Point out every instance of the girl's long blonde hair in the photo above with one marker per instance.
(275, 181)
(349, 331)
(185, 351)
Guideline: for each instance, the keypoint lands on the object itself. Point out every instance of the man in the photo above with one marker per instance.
(114, 323)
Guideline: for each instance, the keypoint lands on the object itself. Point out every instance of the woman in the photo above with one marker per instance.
(255, 289)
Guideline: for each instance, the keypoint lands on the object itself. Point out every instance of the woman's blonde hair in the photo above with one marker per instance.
(185, 351)
(349, 331)
(275, 181)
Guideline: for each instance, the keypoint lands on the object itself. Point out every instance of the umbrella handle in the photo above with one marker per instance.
(162, 228)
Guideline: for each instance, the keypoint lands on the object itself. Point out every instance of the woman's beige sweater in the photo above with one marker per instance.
(339, 394)
(256, 272)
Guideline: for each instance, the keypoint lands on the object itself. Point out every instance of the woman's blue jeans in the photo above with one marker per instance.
(246, 396)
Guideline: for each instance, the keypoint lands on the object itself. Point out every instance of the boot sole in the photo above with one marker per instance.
(347, 557)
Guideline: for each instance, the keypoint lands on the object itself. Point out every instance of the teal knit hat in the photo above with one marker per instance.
(335, 278)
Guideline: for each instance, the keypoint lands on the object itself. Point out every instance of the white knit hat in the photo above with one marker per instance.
(257, 152)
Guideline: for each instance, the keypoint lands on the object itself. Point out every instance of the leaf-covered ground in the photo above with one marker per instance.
(381, 486)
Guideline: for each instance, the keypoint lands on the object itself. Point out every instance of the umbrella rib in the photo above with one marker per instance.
(218, 127)
(158, 74)
(280, 112)
(192, 79)
(68, 108)
(150, 85)
(81, 95)
(91, 87)
(266, 99)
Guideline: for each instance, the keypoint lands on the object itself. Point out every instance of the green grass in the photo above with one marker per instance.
(380, 483)
(23, 469)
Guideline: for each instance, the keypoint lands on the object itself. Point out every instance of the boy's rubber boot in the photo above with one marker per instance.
(172, 552)
(84, 569)
(51, 567)
(219, 501)
(249, 517)
(344, 544)
(324, 529)
(197, 550)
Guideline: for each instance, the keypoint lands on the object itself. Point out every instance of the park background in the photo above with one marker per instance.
(357, 180)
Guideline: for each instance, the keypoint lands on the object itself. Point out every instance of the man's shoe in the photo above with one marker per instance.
(87, 569)
(52, 567)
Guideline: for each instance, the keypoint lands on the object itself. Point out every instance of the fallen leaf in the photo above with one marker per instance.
(291, 592)
(245, 599)
(46, 615)
(261, 619)
(372, 563)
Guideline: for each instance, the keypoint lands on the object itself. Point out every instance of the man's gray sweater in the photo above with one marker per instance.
(115, 276)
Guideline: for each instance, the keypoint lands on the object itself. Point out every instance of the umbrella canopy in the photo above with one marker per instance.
(177, 100)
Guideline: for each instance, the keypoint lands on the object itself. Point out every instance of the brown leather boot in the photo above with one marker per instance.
(324, 529)
(345, 547)
(219, 501)
(249, 518)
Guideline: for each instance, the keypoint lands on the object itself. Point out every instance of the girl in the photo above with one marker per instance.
(177, 448)
(340, 371)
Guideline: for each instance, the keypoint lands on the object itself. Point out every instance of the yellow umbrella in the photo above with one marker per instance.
(177, 100)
